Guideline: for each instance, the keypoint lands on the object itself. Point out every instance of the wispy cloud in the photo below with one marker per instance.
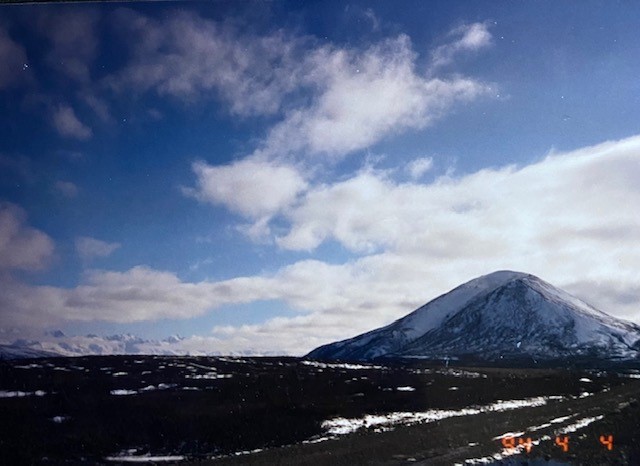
(14, 61)
(67, 123)
(90, 248)
(186, 56)
(418, 167)
(66, 188)
(465, 38)
(344, 116)
(73, 41)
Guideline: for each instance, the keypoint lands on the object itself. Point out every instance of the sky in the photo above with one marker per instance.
(272, 176)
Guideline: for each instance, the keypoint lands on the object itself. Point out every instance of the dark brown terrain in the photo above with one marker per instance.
(198, 410)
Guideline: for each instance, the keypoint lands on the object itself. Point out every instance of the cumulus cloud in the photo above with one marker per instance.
(466, 38)
(68, 125)
(21, 246)
(13, 58)
(90, 248)
(558, 200)
(251, 187)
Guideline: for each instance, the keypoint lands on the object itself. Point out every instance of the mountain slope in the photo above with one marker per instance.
(501, 315)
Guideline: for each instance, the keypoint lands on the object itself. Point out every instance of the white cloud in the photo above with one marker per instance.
(253, 188)
(89, 248)
(371, 16)
(186, 56)
(21, 247)
(67, 124)
(343, 211)
(339, 116)
(66, 188)
(138, 294)
(418, 167)
(363, 97)
(562, 198)
(339, 99)
(467, 38)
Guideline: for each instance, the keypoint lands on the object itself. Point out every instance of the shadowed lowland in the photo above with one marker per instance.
(286, 410)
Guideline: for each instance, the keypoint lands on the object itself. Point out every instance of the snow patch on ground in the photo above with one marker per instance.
(580, 424)
(145, 459)
(324, 365)
(405, 389)
(508, 434)
(208, 376)
(122, 392)
(20, 394)
(462, 373)
(548, 424)
(382, 422)
(148, 388)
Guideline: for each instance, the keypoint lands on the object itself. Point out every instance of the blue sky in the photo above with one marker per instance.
(271, 176)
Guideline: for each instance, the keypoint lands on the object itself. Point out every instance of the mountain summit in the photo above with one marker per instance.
(503, 315)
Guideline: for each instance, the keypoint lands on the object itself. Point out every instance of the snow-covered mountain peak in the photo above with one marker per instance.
(502, 314)
(498, 278)
(435, 312)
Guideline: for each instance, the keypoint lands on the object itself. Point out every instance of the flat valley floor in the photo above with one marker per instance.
(265, 411)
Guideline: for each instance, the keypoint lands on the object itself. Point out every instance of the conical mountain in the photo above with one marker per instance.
(503, 315)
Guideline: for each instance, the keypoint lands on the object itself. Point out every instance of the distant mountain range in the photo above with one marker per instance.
(56, 343)
(500, 317)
